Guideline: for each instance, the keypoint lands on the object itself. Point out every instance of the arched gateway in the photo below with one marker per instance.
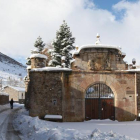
(75, 100)
(99, 102)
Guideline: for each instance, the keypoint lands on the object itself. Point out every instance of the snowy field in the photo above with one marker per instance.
(32, 128)
(11, 70)
(11, 73)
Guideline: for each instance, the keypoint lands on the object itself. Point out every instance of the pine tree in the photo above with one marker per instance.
(39, 44)
(68, 56)
(62, 45)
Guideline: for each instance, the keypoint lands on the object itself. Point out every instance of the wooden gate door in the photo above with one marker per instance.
(107, 109)
(91, 108)
(99, 102)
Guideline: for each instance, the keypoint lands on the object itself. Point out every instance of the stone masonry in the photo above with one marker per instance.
(45, 93)
(138, 94)
(60, 92)
(4, 99)
(64, 93)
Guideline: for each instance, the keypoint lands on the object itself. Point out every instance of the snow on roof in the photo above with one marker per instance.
(134, 70)
(38, 55)
(96, 46)
(17, 88)
(2, 93)
(58, 66)
(53, 117)
(28, 67)
(51, 69)
(73, 60)
(131, 70)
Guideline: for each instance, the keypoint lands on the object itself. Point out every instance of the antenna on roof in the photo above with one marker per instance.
(97, 39)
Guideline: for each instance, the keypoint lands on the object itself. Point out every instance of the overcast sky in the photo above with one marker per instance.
(22, 21)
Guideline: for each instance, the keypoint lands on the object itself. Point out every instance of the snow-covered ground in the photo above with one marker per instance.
(6, 122)
(32, 128)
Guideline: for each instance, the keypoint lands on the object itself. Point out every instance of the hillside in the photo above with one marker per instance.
(11, 71)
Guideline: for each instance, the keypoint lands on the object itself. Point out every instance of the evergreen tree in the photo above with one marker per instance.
(39, 44)
(67, 55)
(62, 45)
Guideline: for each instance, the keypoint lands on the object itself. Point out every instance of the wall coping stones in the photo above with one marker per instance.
(51, 69)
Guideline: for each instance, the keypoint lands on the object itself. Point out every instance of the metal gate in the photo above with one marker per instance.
(99, 102)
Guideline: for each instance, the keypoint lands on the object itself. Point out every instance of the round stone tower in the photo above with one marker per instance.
(38, 60)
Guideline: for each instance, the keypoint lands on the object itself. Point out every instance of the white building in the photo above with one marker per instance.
(17, 93)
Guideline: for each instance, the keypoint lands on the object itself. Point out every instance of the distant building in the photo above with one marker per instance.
(17, 93)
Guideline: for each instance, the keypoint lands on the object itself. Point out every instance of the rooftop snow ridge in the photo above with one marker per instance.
(97, 46)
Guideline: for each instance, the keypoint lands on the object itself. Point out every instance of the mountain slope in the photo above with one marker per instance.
(11, 70)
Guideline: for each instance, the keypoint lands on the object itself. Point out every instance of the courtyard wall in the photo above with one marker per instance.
(45, 93)
(63, 93)
(4, 99)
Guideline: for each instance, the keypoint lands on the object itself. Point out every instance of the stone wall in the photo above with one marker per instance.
(73, 98)
(138, 94)
(121, 83)
(38, 62)
(45, 93)
(4, 99)
(63, 93)
(98, 59)
(27, 94)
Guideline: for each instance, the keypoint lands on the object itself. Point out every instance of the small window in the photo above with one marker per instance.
(54, 101)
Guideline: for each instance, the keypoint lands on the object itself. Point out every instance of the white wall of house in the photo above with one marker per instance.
(21, 95)
(15, 92)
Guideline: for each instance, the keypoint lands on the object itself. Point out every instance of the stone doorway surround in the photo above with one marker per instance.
(122, 84)
(99, 102)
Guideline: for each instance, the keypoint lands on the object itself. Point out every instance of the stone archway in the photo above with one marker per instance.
(79, 82)
(99, 102)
